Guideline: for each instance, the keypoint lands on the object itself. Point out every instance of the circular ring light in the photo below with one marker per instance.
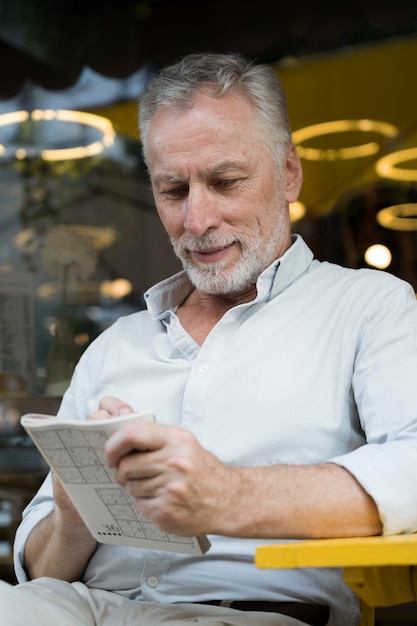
(341, 126)
(398, 217)
(102, 124)
(387, 166)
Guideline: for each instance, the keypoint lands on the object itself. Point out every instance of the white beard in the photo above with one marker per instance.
(219, 279)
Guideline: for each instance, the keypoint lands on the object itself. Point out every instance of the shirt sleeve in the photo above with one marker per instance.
(39, 507)
(384, 385)
(43, 502)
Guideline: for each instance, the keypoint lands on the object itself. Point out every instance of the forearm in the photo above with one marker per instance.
(299, 502)
(186, 490)
(58, 550)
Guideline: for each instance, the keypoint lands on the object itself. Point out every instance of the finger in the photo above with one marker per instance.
(100, 414)
(110, 406)
(115, 406)
(139, 483)
(139, 436)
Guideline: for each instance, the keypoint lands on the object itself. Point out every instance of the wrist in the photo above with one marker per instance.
(70, 528)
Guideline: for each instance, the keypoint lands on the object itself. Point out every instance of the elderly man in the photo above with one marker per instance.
(283, 387)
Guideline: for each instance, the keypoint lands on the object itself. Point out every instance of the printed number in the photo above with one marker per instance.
(110, 528)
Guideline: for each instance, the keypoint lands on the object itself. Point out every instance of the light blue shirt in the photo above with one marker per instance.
(323, 361)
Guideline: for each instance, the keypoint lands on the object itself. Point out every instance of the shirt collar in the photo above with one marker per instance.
(169, 293)
(294, 263)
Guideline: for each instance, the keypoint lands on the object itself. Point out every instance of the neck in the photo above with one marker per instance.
(218, 302)
(200, 311)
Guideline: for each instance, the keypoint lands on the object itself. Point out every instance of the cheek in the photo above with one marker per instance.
(172, 220)
(273, 218)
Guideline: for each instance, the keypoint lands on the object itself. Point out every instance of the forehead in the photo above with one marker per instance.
(210, 127)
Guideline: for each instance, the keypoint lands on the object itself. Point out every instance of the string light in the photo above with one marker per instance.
(297, 211)
(378, 256)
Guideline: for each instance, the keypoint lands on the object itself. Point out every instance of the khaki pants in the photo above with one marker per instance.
(52, 602)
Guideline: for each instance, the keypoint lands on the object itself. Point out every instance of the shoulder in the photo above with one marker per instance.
(358, 280)
(363, 296)
(126, 326)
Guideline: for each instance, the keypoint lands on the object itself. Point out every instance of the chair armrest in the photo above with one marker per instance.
(379, 569)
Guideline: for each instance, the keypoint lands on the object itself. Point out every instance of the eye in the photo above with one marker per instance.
(223, 183)
(175, 192)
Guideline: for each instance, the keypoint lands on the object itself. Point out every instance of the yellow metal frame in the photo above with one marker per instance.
(382, 571)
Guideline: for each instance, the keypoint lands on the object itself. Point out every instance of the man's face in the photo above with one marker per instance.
(218, 193)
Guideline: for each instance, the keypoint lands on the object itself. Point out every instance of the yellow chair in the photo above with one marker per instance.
(382, 571)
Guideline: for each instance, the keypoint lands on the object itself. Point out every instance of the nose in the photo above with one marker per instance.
(201, 211)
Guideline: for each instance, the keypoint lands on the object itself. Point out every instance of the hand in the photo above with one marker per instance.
(175, 482)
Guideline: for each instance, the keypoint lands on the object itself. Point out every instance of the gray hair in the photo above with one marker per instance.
(214, 74)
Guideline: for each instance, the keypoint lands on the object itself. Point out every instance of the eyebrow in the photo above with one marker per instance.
(221, 168)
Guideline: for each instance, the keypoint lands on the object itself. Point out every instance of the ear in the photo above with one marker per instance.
(293, 173)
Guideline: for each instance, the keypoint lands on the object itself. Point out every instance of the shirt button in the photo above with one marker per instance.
(153, 581)
(203, 368)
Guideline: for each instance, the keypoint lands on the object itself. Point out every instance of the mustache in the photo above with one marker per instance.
(206, 241)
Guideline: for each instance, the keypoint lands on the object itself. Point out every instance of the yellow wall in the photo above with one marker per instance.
(375, 82)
